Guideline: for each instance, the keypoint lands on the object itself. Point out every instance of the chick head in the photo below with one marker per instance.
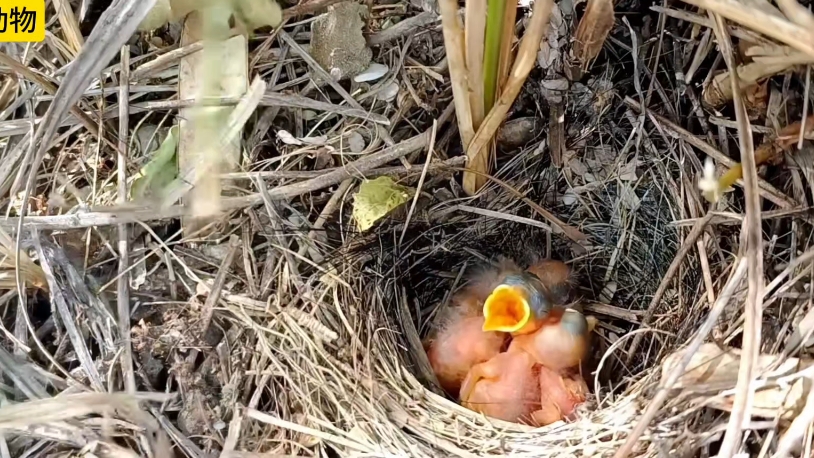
(520, 304)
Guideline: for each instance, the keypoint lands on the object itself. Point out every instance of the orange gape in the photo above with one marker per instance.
(506, 387)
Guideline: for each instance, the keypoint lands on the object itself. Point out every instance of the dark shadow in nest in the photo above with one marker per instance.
(446, 241)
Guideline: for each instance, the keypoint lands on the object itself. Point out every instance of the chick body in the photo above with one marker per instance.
(506, 387)
(560, 394)
(562, 340)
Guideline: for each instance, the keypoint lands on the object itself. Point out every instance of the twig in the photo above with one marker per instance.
(685, 248)
(70, 28)
(758, 21)
(217, 285)
(322, 74)
(571, 232)
(308, 7)
(420, 180)
(396, 170)
(326, 212)
(403, 28)
(269, 99)
(503, 216)
(664, 390)
(766, 190)
(754, 254)
(123, 284)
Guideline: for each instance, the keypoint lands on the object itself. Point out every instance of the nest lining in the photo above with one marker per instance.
(383, 394)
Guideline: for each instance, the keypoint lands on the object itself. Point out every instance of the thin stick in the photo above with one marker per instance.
(685, 248)
(123, 285)
(420, 180)
(475, 24)
(664, 390)
(758, 21)
(217, 285)
(454, 43)
(768, 191)
(326, 212)
(754, 255)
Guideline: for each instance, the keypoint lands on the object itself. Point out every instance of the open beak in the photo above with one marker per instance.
(505, 310)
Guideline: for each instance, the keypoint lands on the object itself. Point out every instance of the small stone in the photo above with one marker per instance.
(517, 132)
(337, 43)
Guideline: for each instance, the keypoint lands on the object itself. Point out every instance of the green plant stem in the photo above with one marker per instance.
(496, 9)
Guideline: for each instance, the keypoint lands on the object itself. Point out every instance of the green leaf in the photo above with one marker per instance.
(376, 199)
(160, 171)
(259, 13)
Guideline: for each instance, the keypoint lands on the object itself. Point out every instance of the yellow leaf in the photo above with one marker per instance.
(376, 199)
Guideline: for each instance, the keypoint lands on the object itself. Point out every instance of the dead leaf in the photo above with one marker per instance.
(592, 31)
(628, 198)
(627, 172)
(716, 368)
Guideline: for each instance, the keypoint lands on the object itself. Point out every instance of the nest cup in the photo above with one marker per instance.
(372, 388)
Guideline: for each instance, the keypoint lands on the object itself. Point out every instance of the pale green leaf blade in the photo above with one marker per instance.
(162, 169)
(376, 199)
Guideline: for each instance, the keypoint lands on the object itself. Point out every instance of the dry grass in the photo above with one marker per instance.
(277, 329)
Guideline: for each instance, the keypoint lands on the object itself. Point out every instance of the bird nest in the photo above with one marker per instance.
(359, 378)
(312, 345)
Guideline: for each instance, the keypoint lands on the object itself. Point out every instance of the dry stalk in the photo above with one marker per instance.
(454, 43)
(526, 57)
(719, 91)
(509, 19)
(123, 286)
(752, 237)
(475, 34)
(756, 19)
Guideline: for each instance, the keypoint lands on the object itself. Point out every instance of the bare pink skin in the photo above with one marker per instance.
(458, 347)
(458, 342)
(560, 394)
(506, 387)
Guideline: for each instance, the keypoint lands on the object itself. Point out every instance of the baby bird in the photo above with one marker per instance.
(506, 387)
(560, 394)
(460, 344)
(521, 302)
(466, 335)
(561, 341)
(516, 386)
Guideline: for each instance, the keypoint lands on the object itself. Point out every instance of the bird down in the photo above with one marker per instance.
(534, 380)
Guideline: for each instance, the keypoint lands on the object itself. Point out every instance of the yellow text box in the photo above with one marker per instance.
(22, 20)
